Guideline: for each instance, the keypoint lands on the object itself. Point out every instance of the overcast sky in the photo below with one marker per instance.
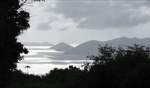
(77, 21)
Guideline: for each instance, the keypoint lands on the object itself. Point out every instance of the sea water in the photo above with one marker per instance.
(42, 59)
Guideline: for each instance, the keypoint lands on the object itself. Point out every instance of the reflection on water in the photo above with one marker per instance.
(41, 69)
(41, 59)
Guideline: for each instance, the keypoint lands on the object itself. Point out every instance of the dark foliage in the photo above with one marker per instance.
(121, 68)
(13, 21)
(112, 68)
(22, 80)
(71, 77)
(57, 78)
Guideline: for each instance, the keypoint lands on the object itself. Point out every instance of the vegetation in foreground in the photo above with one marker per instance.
(111, 68)
(13, 21)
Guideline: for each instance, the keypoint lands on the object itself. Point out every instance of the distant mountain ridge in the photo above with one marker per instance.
(91, 47)
(62, 47)
(86, 48)
(37, 44)
(129, 41)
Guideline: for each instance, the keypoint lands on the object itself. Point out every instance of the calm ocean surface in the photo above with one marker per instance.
(41, 59)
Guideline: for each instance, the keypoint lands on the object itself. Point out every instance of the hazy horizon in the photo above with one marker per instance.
(73, 44)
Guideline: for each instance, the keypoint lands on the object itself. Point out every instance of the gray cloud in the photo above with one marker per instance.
(102, 14)
(43, 26)
(121, 17)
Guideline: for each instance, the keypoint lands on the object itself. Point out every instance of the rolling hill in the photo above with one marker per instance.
(90, 47)
(61, 47)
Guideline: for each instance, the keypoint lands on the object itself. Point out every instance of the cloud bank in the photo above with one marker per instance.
(77, 21)
(103, 14)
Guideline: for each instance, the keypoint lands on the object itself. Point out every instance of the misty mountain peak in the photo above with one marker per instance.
(61, 47)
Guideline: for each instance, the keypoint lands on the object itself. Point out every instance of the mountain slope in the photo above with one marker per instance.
(128, 41)
(86, 48)
(91, 47)
(61, 47)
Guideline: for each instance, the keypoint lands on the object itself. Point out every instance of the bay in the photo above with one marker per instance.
(42, 59)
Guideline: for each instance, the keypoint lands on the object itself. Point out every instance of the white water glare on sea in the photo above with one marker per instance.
(42, 59)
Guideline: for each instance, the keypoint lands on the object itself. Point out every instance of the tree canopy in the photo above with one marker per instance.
(123, 67)
(13, 20)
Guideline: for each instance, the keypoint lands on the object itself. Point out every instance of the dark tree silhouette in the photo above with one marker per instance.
(112, 68)
(120, 67)
(13, 21)
(27, 67)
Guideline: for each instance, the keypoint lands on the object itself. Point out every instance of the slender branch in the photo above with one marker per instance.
(23, 2)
